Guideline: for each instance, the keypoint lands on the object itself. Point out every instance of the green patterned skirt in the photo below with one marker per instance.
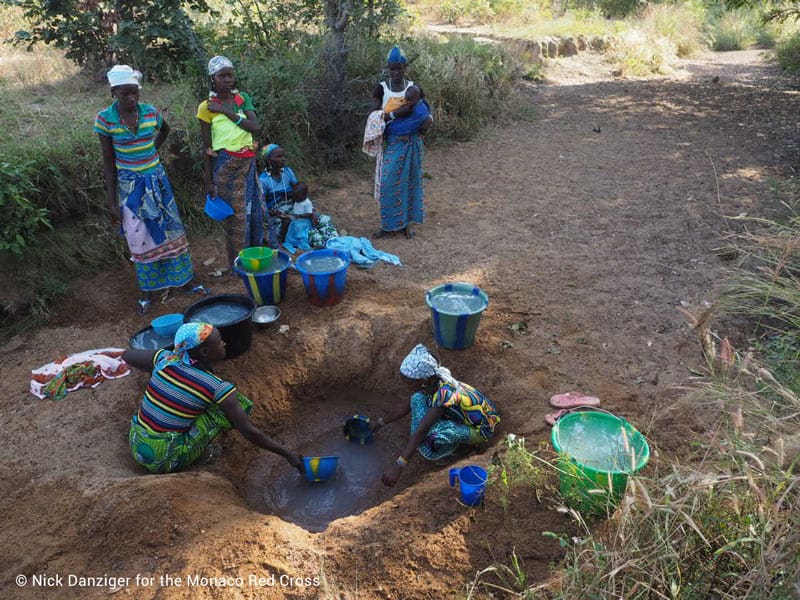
(173, 451)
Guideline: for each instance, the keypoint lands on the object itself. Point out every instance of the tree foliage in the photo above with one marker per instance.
(95, 34)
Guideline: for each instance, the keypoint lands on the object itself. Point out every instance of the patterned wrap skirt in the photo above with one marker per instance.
(153, 229)
(401, 198)
(444, 436)
(237, 183)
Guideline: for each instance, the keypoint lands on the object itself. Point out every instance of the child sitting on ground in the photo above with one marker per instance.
(308, 230)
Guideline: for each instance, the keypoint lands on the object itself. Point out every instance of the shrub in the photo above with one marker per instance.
(466, 11)
(637, 54)
(788, 53)
(680, 24)
(21, 219)
(467, 83)
(734, 31)
(98, 34)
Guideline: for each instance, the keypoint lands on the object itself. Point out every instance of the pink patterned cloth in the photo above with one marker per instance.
(373, 145)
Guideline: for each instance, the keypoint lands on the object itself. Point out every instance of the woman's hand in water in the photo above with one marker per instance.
(391, 474)
(296, 460)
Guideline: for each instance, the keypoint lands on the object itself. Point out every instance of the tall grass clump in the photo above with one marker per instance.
(681, 24)
(787, 52)
(742, 28)
(656, 38)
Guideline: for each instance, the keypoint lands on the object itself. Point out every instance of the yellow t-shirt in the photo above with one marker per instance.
(225, 135)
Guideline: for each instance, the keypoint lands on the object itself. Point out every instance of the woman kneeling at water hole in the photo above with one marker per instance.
(445, 413)
(185, 406)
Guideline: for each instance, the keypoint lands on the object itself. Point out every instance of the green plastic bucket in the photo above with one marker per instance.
(596, 453)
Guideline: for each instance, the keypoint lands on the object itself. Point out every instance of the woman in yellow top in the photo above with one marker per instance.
(227, 124)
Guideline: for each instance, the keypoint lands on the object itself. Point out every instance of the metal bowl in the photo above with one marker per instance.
(264, 316)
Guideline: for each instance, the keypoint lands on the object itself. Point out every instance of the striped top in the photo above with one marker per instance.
(469, 407)
(132, 151)
(177, 394)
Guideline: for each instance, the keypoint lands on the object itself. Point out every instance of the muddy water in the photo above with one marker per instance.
(355, 487)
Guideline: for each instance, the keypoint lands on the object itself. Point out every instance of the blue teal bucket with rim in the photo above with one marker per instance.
(456, 310)
(324, 275)
(597, 452)
(267, 288)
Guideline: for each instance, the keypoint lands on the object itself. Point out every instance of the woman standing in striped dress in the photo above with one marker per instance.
(140, 198)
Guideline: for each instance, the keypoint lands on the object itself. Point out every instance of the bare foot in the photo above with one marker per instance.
(379, 234)
(409, 232)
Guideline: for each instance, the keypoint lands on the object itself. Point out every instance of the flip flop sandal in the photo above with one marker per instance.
(198, 289)
(551, 418)
(573, 400)
(144, 307)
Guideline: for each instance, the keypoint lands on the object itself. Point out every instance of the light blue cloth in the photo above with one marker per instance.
(297, 235)
(361, 251)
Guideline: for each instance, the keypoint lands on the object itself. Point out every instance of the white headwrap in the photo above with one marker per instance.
(124, 75)
(218, 63)
(421, 364)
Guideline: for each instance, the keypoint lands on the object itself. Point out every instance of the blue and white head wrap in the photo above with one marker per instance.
(188, 336)
(421, 364)
(218, 63)
(396, 55)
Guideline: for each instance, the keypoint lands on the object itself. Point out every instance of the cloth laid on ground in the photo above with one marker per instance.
(373, 146)
(361, 251)
(69, 373)
(302, 234)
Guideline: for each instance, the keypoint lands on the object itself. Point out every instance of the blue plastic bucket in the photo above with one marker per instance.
(471, 483)
(266, 288)
(217, 208)
(456, 320)
(324, 286)
(319, 468)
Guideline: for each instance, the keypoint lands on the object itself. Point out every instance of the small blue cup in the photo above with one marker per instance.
(471, 483)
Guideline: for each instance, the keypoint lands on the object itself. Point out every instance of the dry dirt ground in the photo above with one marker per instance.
(593, 223)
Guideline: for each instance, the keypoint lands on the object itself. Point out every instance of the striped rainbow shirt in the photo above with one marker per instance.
(177, 394)
(133, 152)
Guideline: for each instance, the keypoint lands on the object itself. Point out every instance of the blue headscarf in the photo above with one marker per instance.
(188, 336)
(395, 56)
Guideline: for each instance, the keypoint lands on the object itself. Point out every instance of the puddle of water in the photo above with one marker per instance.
(314, 505)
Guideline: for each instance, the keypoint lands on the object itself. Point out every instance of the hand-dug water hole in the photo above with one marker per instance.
(273, 487)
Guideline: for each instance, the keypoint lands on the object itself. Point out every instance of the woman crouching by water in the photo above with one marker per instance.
(445, 413)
